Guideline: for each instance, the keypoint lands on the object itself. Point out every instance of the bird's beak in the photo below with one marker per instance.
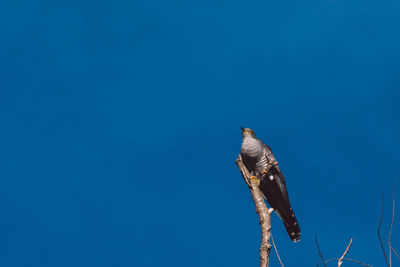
(242, 129)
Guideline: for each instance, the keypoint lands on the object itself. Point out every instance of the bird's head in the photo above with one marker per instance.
(247, 132)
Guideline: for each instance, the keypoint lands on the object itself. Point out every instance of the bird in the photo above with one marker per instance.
(260, 162)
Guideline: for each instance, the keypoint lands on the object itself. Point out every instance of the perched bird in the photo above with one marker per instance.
(260, 161)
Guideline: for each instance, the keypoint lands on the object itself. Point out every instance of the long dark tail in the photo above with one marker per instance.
(292, 226)
(276, 194)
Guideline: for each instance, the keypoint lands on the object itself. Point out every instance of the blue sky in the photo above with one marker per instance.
(120, 124)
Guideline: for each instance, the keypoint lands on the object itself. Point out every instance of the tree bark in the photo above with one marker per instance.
(264, 214)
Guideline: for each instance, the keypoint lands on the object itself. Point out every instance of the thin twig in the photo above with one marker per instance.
(379, 227)
(264, 214)
(347, 259)
(276, 250)
(319, 251)
(391, 226)
(394, 251)
(340, 261)
(359, 262)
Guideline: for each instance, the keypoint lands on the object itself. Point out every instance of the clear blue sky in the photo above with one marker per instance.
(120, 124)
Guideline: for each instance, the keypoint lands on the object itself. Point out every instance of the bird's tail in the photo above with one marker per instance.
(291, 225)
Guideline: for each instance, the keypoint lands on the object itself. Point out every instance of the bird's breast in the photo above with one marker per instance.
(252, 147)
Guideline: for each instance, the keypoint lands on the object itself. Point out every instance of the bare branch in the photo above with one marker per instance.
(264, 214)
(379, 227)
(340, 261)
(331, 259)
(394, 251)
(359, 262)
(391, 226)
(347, 259)
(276, 250)
(319, 251)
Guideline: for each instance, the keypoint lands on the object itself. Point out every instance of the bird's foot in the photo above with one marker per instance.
(254, 179)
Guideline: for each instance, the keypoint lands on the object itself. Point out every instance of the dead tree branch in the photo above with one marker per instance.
(391, 226)
(340, 261)
(379, 228)
(264, 214)
(394, 251)
(319, 251)
(347, 259)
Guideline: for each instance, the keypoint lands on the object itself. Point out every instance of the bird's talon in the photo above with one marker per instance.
(254, 179)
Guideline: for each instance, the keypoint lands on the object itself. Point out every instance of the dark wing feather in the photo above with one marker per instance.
(274, 190)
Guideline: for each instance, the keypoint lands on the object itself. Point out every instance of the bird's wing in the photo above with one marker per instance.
(274, 190)
(276, 171)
